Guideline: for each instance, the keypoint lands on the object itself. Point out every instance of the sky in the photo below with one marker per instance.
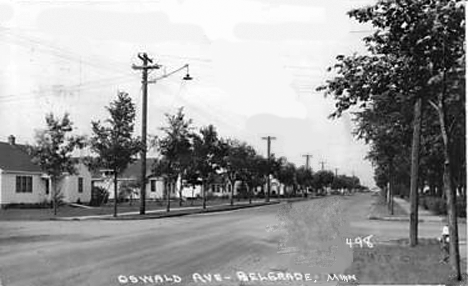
(255, 66)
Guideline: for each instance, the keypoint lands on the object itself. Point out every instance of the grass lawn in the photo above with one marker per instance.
(68, 211)
(380, 209)
(401, 264)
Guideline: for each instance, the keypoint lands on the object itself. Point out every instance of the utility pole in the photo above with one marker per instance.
(144, 81)
(268, 138)
(144, 70)
(307, 160)
(336, 172)
(323, 164)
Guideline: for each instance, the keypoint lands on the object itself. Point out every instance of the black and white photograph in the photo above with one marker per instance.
(232, 142)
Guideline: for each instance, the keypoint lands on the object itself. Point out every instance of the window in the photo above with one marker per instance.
(80, 185)
(153, 186)
(23, 184)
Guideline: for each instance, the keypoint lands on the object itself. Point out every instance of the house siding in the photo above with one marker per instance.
(70, 186)
(9, 194)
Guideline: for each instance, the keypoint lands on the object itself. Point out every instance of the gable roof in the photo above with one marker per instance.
(133, 171)
(15, 158)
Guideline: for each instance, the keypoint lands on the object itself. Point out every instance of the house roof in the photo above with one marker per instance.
(133, 171)
(15, 158)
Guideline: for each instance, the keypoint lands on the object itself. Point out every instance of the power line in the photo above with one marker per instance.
(29, 42)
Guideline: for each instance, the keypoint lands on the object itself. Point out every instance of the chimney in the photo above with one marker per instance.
(11, 140)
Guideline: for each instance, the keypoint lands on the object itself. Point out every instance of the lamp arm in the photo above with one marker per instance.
(168, 74)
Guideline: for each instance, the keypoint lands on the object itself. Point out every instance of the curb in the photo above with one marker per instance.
(370, 217)
(166, 214)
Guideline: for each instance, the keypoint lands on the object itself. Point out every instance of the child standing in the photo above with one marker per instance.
(444, 243)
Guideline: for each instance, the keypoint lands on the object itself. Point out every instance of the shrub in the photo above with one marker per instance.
(461, 208)
(437, 205)
(42, 205)
(99, 196)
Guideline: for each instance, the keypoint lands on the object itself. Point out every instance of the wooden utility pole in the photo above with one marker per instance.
(414, 172)
(336, 172)
(144, 81)
(307, 160)
(268, 138)
(323, 164)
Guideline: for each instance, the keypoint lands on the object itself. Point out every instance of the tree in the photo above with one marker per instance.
(305, 179)
(207, 156)
(175, 148)
(287, 174)
(235, 162)
(53, 149)
(113, 140)
(424, 42)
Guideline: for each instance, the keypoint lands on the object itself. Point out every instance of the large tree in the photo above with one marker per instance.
(53, 150)
(236, 163)
(113, 139)
(207, 157)
(175, 147)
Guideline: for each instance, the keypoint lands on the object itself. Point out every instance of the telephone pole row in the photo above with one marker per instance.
(268, 138)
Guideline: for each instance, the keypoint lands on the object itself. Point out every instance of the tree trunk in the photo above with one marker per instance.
(391, 187)
(193, 195)
(180, 197)
(449, 192)
(115, 193)
(54, 194)
(168, 196)
(250, 193)
(204, 195)
(232, 192)
(267, 197)
(414, 172)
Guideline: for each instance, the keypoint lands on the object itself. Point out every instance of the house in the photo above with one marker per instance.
(23, 182)
(129, 180)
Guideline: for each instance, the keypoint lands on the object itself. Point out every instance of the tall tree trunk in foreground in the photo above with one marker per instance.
(414, 172)
(391, 186)
(449, 189)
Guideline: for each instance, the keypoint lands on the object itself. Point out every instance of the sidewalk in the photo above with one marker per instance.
(180, 211)
(423, 215)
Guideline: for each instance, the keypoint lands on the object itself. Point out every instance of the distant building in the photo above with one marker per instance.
(23, 182)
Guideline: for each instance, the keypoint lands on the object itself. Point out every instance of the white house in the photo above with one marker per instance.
(23, 182)
(129, 178)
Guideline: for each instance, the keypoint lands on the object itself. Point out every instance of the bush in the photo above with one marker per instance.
(42, 205)
(461, 208)
(99, 196)
(439, 206)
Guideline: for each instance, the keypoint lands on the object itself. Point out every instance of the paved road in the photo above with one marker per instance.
(98, 252)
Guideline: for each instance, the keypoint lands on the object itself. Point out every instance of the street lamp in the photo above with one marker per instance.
(145, 67)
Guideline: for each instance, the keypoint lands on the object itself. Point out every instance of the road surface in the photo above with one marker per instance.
(97, 253)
